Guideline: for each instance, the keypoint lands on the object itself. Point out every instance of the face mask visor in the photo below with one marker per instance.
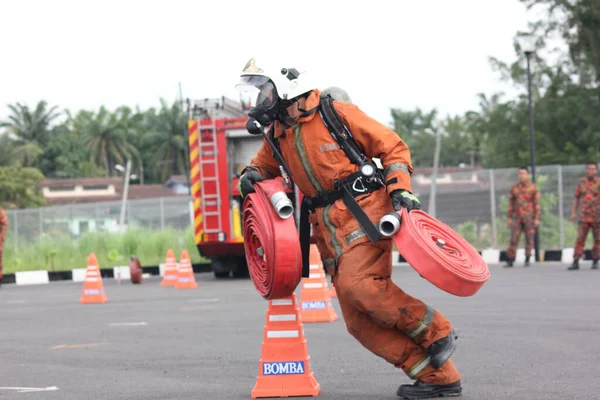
(259, 90)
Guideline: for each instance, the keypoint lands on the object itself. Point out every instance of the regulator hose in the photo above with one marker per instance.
(437, 252)
(271, 240)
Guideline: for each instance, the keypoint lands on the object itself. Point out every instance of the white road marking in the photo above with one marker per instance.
(128, 324)
(77, 346)
(30, 389)
(203, 300)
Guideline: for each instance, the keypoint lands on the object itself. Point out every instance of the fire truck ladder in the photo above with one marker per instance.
(209, 180)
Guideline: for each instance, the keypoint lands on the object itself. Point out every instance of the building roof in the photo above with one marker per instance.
(98, 190)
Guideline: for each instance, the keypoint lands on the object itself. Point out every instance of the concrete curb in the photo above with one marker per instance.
(77, 275)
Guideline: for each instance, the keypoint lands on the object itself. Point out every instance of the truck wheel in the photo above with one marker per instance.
(220, 268)
(240, 267)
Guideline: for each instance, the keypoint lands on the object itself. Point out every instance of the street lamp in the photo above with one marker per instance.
(527, 43)
(126, 179)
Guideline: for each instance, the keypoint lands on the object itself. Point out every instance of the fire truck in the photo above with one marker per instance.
(220, 147)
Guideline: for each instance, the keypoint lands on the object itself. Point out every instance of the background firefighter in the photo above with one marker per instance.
(523, 215)
(401, 329)
(587, 197)
(3, 229)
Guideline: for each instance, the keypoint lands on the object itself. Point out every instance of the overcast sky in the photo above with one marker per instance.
(405, 54)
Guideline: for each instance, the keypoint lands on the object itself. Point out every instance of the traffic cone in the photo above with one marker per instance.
(284, 367)
(170, 273)
(185, 272)
(315, 295)
(93, 288)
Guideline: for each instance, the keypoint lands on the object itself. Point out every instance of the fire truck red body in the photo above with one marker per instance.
(220, 146)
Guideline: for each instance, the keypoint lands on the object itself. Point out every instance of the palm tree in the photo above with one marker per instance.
(108, 136)
(167, 141)
(28, 126)
(27, 133)
(14, 153)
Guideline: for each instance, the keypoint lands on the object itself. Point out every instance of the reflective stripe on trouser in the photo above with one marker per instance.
(382, 317)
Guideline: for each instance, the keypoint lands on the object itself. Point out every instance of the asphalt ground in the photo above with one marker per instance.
(529, 333)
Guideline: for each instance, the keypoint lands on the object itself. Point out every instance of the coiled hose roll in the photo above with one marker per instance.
(437, 252)
(271, 240)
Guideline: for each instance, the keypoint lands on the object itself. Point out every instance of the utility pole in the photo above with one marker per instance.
(528, 45)
(436, 161)
(125, 194)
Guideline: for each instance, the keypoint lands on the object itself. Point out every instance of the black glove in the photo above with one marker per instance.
(247, 181)
(404, 198)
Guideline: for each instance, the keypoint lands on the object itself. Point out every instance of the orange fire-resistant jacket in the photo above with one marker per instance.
(315, 159)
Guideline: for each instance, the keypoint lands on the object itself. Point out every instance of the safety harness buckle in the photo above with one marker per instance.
(362, 189)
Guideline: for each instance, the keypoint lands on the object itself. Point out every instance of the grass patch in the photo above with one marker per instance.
(112, 249)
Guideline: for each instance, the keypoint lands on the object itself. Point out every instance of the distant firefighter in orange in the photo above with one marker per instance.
(587, 198)
(523, 215)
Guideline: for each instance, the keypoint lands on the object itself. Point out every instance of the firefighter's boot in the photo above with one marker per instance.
(422, 390)
(509, 264)
(595, 263)
(574, 266)
(527, 261)
(441, 350)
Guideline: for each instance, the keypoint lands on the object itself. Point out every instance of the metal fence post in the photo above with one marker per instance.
(561, 211)
(162, 213)
(97, 218)
(16, 228)
(493, 209)
(41, 215)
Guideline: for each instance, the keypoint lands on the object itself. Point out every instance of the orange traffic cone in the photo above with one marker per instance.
(315, 295)
(93, 288)
(185, 272)
(284, 367)
(170, 273)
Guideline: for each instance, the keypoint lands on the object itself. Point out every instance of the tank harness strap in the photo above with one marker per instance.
(346, 189)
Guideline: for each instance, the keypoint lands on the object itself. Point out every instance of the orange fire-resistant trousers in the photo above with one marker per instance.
(386, 320)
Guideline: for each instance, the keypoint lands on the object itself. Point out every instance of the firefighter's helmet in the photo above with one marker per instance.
(272, 91)
(285, 83)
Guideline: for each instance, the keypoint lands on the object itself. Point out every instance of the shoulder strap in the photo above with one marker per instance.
(283, 168)
(339, 131)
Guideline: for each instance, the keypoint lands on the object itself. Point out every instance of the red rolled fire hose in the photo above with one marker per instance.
(439, 254)
(271, 240)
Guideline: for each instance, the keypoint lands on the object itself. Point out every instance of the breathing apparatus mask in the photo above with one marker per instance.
(272, 95)
(267, 106)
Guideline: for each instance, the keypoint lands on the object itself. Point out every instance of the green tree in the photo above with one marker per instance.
(66, 157)
(165, 141)
(577, 22)
(14, 153)
(29, 130)
(108, 137)
(19, 187)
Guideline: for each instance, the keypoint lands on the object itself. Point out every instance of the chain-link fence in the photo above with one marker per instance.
(475, 204)
(76, 219)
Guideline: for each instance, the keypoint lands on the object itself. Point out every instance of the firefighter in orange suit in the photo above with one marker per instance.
(523, 215)
(587, 199)
(3, 228)
(389, 322)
